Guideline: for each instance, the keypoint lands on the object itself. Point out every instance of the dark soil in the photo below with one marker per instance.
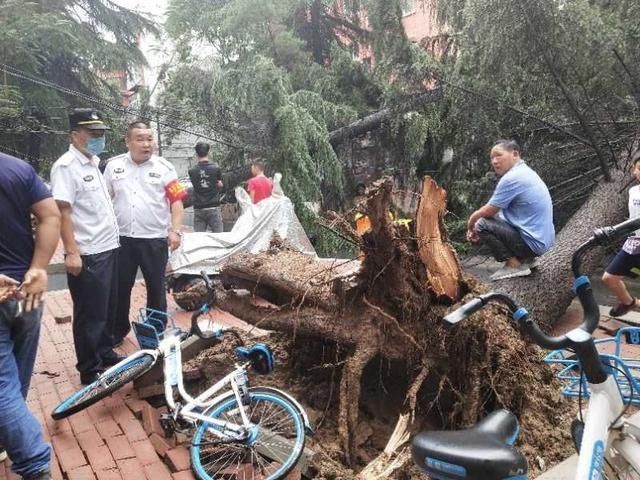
(312, 376)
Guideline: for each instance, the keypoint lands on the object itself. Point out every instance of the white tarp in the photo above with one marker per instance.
(251, 233)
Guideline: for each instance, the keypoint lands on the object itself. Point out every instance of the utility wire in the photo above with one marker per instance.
(17, 73)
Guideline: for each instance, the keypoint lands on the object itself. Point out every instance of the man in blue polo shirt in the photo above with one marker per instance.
(23, 281)
(516, 224)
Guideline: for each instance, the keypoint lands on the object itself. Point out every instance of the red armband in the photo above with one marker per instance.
(175, 191)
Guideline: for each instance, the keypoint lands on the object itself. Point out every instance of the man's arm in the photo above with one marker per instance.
(72, 259)
(46, 242)
(486, 211)
(47, 231)
(177, 212)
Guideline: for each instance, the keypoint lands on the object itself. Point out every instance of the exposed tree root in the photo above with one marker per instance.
(393, 310)
(350, 397)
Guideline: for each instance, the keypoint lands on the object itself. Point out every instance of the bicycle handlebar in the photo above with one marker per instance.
(582, 287)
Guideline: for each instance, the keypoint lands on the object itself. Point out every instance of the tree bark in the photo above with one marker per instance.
(375, 120)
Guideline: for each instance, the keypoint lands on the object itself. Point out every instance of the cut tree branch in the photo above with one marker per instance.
(377, 119)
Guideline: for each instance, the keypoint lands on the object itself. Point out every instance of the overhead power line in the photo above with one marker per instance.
(17, 73)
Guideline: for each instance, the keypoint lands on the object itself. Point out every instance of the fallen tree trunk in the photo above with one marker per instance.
(376, 120)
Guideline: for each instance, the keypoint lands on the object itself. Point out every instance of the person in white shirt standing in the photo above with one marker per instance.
(147, 198)
(90, 235)
(627, 262)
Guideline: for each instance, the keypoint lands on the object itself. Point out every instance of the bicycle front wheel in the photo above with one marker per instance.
(104, 386)
(271, 449)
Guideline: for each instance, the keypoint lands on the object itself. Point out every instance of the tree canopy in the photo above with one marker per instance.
(70, 43)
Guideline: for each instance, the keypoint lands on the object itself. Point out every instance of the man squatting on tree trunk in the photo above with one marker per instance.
(627, 262)
(516, 224)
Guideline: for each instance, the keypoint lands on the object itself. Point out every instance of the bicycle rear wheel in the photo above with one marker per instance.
(271, 449)
(104, 386)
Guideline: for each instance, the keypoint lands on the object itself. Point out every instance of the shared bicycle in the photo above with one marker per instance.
(608, 442)
(237, 431)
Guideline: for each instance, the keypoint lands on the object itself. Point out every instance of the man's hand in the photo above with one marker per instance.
(219, 184)
(73, 263)
(35, 284)
(173, 240)
(7, 288)
(472, 236)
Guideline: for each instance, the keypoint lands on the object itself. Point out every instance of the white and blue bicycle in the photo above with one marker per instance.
(239, 432)
(608, 443)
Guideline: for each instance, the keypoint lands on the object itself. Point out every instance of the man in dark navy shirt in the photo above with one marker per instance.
(23, 281)
(206, 179)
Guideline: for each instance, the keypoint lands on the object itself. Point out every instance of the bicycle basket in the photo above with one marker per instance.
(152, 327)
(625, 369)
(260, 356)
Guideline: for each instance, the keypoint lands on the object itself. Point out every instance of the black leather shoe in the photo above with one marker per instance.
(111, 360)
(88, 378)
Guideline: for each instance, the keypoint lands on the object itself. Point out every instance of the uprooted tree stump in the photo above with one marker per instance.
(392, 308)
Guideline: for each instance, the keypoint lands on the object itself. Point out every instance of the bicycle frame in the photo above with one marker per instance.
(605, 405)
(169, 349)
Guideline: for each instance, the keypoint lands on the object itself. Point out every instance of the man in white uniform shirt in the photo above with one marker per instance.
(89, 232)
(147, 199)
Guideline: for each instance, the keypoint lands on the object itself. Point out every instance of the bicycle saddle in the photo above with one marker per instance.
(482, 452)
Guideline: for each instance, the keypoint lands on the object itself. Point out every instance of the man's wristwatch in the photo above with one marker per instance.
(177, 232)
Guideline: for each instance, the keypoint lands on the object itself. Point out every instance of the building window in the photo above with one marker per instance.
(408, 7)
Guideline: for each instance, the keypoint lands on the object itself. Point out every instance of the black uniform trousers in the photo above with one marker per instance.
(95, 297)
(151, 255)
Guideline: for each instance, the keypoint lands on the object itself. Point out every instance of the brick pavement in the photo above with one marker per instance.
(107, 441)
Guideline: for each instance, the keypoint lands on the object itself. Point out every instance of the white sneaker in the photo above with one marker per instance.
(511, 272)
(3, 455)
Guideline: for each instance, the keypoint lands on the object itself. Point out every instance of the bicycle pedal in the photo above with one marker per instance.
(182, 425)
(168, 424)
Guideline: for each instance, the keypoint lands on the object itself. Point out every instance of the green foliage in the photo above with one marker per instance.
(67, 42)
(268, 91)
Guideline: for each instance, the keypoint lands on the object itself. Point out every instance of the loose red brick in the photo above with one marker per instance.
(56, 473)
(108, 428)
(99, 412)
(80, 422)
(135, 405)
(178, 459)
(100, 458)
(184, 475)
(56, 427)
(151, 420)
(120, 447)
(145, 452)
(134, 431)
(161, 444)
(157, 471)
(81, 473)
(130, 468)
(121, 413)
(68, 451)
(89, 439)
(110, 474)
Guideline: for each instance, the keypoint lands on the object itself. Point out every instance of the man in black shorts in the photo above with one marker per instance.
(627, 262)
